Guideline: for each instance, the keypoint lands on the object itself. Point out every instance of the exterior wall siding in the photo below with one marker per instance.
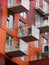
(32, 50)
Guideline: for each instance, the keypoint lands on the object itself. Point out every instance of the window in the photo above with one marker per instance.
(37, 3)
(10, 22)
(46, 48)
(11, 3)
(23, 14)
(22, 28)
(44, 40)
(21, 23)
(44, 45)
(37, 20)
(45, 6)
(22, 58)
(37, 44)
(9, 42)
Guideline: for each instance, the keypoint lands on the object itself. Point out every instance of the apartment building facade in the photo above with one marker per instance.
(24, 30)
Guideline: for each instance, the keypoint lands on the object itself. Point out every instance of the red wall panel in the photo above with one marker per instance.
(31, 16)
(41, 3)
(4, 2)
(31, 12)
(40, 62)
(2, 60)
(48, 0)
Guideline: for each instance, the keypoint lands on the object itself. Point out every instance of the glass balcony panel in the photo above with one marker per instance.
(42, 24)
(18, 6)
(43, 10)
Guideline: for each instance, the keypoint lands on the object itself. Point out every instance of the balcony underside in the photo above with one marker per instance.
(28, 38)
(44, 29)
(17, 9)
(15, 54)
(42, 13)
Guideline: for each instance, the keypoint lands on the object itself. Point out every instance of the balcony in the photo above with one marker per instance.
(40, 10)
(18, 6)
(43, 25)
(17, 50)
(45, 7)
(43, 11)
(30, 33)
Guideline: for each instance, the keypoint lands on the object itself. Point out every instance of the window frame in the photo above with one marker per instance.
(8, 22)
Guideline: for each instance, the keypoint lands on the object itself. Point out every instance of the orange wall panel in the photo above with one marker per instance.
(2, 41)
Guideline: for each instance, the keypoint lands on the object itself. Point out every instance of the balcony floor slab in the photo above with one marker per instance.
(15, 54)
(17, 9)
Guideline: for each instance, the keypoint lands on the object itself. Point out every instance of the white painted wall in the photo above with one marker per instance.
(25, 3)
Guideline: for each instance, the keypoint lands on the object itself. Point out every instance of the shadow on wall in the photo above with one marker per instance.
(6, 61)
